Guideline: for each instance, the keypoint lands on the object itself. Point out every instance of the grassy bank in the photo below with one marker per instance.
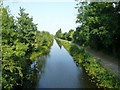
(22, 42)
(31, 74)
(98, 74)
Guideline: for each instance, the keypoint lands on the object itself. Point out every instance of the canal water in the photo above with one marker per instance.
(58, 70)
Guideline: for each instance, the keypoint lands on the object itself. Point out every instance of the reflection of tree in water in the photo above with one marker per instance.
(41, 62)
(35, 71)
(59, 43)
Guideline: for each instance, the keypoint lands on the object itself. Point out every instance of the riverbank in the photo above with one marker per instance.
(101, 76)
(60, 71)
(20, 41)
(109, 62)
(31, 73)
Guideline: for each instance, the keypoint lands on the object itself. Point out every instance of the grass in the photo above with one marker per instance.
(98, 74)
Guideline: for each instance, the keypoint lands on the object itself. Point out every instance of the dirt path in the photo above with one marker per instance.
(108, 62)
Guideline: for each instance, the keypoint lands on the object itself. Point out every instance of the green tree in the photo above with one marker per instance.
(70, 35)
(26, 28)
(99, 25)
(59, 34)
(65, 35)
(12, 52)
(43, 38)
(19, 37)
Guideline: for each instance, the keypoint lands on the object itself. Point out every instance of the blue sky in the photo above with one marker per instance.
(50, 16)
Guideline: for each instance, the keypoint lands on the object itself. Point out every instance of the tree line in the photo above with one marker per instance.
(99, 26)
(66, 36)
(20, 38)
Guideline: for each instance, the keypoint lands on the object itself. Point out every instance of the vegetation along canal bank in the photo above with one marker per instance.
(98, 30)
(34, 59)
(57, 69)
(21, 44)
(97, 73)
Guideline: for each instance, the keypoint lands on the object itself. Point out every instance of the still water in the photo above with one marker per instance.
(58, 70)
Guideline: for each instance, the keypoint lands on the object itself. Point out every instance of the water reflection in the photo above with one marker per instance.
(60, 71)
(83, 78)
(57, 69)
(35, 71)
(59, 43)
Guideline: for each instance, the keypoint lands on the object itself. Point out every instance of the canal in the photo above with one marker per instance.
(58, 70)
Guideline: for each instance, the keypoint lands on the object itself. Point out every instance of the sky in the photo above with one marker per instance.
(50, 16)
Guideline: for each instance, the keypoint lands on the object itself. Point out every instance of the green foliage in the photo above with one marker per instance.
(66, 36)
(99, 27)
(59, 43)
(59, 34)
(98, 74)
(27, 28)
(20, 38)
(43, 39)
